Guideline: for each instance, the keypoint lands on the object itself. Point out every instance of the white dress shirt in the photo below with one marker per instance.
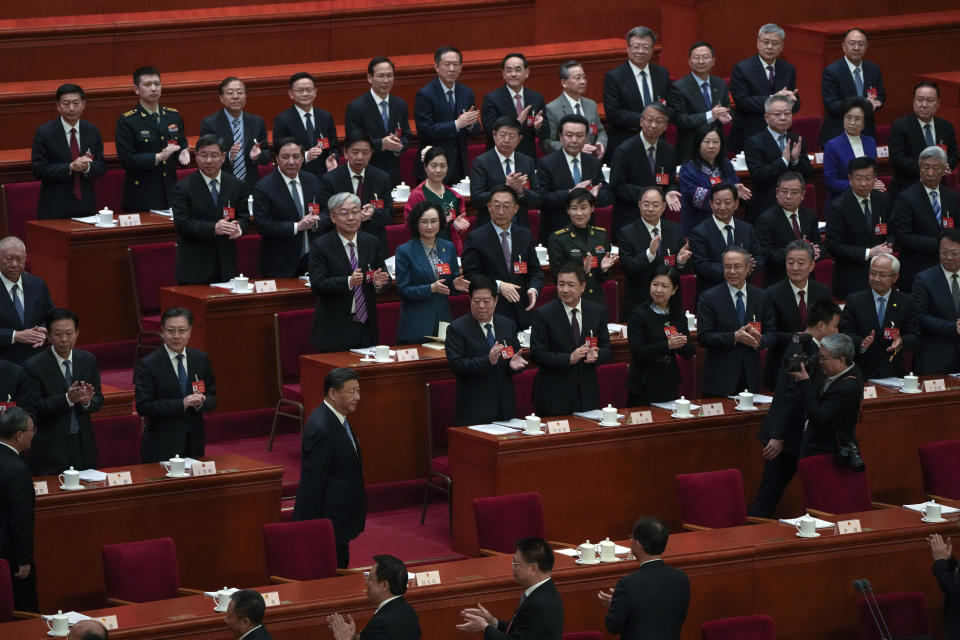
(640, 80)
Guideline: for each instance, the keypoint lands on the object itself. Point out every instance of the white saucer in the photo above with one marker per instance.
(614, 560)
(178, 475)
(105, 226)
(526, 433)
(911, 392)
(218, 609)
(589, 564)
(608, 424)
(57, 635)
(65, 488)
(242, 292)
(739, 408)
(925, 519)
(677, 415)
(800, 535)
(400, 200)
(368, 359)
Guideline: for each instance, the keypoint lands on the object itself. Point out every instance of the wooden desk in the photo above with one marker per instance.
(116, 402)
(236, 331)
(87, 270)
(214, 520)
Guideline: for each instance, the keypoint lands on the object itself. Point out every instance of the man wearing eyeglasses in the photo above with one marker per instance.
(313, 128)
(936, 299)
(243, 133)
(697, 100)
(850, 76)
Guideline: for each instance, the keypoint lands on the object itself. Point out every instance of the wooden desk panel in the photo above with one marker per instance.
(87, 270)
(116, 402)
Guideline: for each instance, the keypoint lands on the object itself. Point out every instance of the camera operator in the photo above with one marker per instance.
(782, 428)
(833, 410)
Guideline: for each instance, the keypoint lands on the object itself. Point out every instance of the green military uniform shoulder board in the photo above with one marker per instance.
(170, 109)
(129, 113)
(599, 229)
(560, 231)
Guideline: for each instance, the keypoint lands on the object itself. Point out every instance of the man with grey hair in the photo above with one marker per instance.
(757, 78)
(629, 88)
(881, 321)
(920, 212)
(573, 79)
(24, 304)
(346, 271)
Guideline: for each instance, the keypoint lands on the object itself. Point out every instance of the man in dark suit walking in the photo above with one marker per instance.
(286, 209)
(16, 507)
(513, 100)
(209, 214)
(631, 87)
(446, 115)
(66, 157)
(936, 300)
(505, 251)
(698, 100)
(505, 164)
(913, 133)
(174, 388)
(394, 618)
(652, 601)
(568, 341)
(850, 76)
(712, 237)
(780, 225)
(245, 615)
(24, 304)
(478, 348)
(68, 381)
(244, 134)
(540, 612)
(312, 127)
(346, 272)
(331, 476)
(16, 389)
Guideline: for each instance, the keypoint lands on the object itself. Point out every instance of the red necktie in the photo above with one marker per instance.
(796, 226)
(519, 105)
(802, 307)
(74, 154)
(575, 326)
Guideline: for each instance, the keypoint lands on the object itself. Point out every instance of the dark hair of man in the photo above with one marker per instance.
(536, 551)
(856, 102)
(337, 378)
(652, 534)
(800, 245)
(506, 121)
(822, 311)
(392, 571)
(862, 162)
(355, 136)
(564, 72)
(413, 220)
(701, 43)
(642, 32)
(64, 89)
(573, 118)
(209, 140)
(663, 269)
(144, 71)
(735, 248)
(379, 60)
(13, 420)
(502, 188)
(176, 312)
(791, 176)
(726, 169)
(579, 195)
(433, 152)
(522, 57)
(652, 187)
(226, 81)
(724, 186)
(576, 269)
(480, 282)
(927, 84)
(439, 53)
(248, 604)
(659, 108)
(301, 75)
(866, 36)
(282, 142)
(62, 314)
(953, 235)
(96, 633)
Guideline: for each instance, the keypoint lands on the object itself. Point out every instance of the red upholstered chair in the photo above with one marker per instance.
(670, 135)
(823, 273)
(712, 500)
(582, 635)
(109, 190)
(905, 613)
(603, 217)
(886, 180)
(523, 392)
(441, 399)
(7, 612)
(757, 627)
(808, 127)
(688, 373)
(610, 297)
(183, 173)
(941, 473)
(810, 197)
(264, 169)
(152, 266)
(688, 292)
(533, 219)
(291, 339)
(248, 255)
(548, 293)
(883, 134)
(473, 150)
(408, 160)
(388, 316)
(397, 234)
(301, 550)
(142, 571)
(612, 378)
(502, 520)
(459, 305)
(952, 180)
(20, 205)
(118, 440)
(829, 490)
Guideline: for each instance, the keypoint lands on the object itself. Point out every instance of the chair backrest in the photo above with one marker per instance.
(141, 571)
(603, 217)
(183, 173)
(688, 292)
(582, 635)
(611, 298)
(940, 468)
(118, 440)
(533, 219)
(808, 127)
(248, 255)
(829, 488)
(459, 305)
(6, 592)
(301, 550)
(883, 134)
(502, 520)
(523, 392)
(688, 375)
(905, 613)
(388, 317)
(19, 205)
(823, 273)
(441, 402)
(152, 266)
(548, 293)
(756, 627)
(810, 197)
(291, 334)
(397, 234)
(408, 162)
(712, 499)
(612, 378)
(264, 169)
(108, 190)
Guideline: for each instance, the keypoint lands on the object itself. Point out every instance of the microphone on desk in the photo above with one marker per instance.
(863, 586)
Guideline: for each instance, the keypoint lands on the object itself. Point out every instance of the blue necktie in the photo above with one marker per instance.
(705, 90)
(385, 116)
(936, 207)
(576, 171)
(353, 441)
(240, 164)
(928, 135)
(181, 374)
(68, 378)
(214, 192)
(507, 170)
(16, 301)
(858, 81)
(647, 99)
(881, 311)
(782, 141)
(491, 339)
(729, 230)
(451, 102)
(741, 309)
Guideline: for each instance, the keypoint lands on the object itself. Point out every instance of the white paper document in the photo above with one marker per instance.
(72, 617)
(670, 406)
(92, 475)
(88, 219)
(493, 429)
(758, 398)
(596, 414)
(893, 383)
(163, 212)
(613, 327)
(943, 508)
(821, 524)
(368, 352)
(573, 553)
(222, 285)
(513, 423)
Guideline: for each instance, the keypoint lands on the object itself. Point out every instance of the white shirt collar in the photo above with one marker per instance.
(302, 113)
(9, 283)
(651, 227)
(933, 126)
(380, 606)
(637, 70)
(502, 157)
(571, 158)
(339, 415)
(886, 296)
(377, 99)
(764, 64)
(249, 632)
(59, 359)
(791, 213)
(573, 103)
(579, 309)
(806, 287)
(446, 89)
(208, 180)
(362, 174)
(651, 560)
(173, 354)
(734, 291)
(852, 67)
(231, 118)
(533, 587)
(948, 275)
(831, 379)
(345, 241)
(67, 126)
(646, 143)
(514, 94)
(721, 225)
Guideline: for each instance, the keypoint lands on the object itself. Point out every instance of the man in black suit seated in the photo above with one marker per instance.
(346, 272)
(383, 116)
(913, 133)
(757, 78)
(642, 161)
(505, 164)
(735, 321)
(505, 251)
(368, 183)
(244, 133)
(791, 298)
(712, 237)
(394, 618)
(312, 127)
(784, 223)
(174, 388)
(16, 389)
(850, 76)
(24, 304)
(513, 100)
(782, 428)
(479, 347)
(331, 476)
(540, 612)
(68, 382)
(936, 300)
(569, 340)
(857, 228)
(16, 507)
(568, 169)
(698, 99)
(446, 115)
(652, 601)
(286, 209)
(881, 320)
(920, 212)
(646, 243)
(631, 87)
(245, 616)
(209, 214)
(66, 157)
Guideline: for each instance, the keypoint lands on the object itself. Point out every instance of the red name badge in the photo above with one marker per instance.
(593, 341)
(313, 209)
(324, 143)
(880, 229)
(670, 331)
(199, 386)
(891, 333)
(397, 132)
(443, 268)
(507, 352)
(526, 184)
(590, 263)
(229, 213)
(670, 259)
(714, 180)
(6, 405)
(947, 222)
(377, 204)
(663, 178)
(368, 276)
(529, 121)
(872, 93)
(943, 147)
(756, 325)
(519, 267)
(593, 128)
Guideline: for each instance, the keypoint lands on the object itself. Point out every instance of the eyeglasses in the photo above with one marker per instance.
(305, 91)
(177, 331)
(950, 255)
(704, 58)
(881, 274)
(516, 563)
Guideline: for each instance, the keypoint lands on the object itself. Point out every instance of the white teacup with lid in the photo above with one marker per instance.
(70, 479)
(588, 553)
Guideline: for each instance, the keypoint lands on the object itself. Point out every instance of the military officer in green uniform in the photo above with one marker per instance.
(583, 244)
(150, 141)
